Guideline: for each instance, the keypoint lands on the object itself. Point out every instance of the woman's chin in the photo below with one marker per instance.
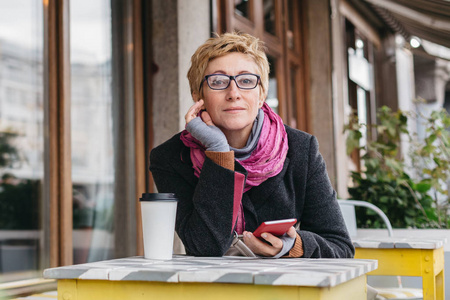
(235, 128)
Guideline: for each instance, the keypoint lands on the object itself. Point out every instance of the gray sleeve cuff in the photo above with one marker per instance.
(288, 243)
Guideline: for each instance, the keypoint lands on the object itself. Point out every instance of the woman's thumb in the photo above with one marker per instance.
(206, 118)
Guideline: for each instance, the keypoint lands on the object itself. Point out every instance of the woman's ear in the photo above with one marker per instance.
(261, 102)
(262, 97)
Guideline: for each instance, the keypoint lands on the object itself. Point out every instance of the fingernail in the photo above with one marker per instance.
(264, 235)
(248, 234)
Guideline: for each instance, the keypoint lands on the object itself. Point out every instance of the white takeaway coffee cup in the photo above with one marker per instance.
(158, 212)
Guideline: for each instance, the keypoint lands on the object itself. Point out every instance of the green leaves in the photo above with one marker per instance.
(384, 180)
(354, 135)
(352, 141)
(423, 186)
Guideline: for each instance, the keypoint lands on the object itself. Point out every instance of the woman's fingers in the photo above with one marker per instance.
(269, 245)
(273, 240)
(193, 111)
(262, 248)
(292, 232)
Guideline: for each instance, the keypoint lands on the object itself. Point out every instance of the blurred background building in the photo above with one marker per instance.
(88, 88)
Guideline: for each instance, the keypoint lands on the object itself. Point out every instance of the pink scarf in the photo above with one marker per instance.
(265, 161)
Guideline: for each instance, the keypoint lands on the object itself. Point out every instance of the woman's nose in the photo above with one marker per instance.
(233, 91)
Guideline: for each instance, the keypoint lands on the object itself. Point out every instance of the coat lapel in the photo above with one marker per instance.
(185, 168)
(258, 195)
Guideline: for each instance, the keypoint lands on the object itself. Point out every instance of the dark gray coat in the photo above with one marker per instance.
(302, 190)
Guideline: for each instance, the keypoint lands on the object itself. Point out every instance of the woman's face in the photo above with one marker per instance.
(233, 110)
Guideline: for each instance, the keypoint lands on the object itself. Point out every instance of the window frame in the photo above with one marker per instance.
(57, 167)
(277, 47)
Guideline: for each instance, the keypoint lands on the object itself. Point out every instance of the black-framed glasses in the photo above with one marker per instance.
(246, 81)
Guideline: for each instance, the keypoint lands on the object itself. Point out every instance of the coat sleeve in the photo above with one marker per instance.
(207, 208)
(322, 228)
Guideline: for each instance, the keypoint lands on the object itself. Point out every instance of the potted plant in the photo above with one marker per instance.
(419, 201)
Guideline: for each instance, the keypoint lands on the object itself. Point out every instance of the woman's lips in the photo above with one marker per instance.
(234, 109)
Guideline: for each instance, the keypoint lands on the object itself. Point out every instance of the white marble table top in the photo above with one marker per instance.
(409, 242)
(231, 269)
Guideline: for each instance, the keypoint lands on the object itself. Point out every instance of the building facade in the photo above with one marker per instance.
(88, 88)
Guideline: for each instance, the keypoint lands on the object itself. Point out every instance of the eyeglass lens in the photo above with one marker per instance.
(243, 81)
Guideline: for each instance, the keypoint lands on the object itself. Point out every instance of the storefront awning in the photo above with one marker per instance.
(426, 19)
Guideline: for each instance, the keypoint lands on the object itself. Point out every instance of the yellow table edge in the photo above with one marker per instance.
(79, 289)
(404, 262)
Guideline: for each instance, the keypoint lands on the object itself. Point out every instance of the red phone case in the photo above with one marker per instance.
(278, 227)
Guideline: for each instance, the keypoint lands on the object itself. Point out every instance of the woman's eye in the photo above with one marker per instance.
(246, 81)
(217, 82)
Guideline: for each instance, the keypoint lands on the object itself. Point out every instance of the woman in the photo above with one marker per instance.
(236, 165)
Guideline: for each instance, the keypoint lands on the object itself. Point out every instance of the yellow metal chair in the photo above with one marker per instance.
(348, 210)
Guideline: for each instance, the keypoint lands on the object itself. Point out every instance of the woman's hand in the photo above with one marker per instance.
(203, 129)
(193, 112)
(262, 248)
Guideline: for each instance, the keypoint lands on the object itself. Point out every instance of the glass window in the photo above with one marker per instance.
(242, 8)
(360, 73)
(269, 16)
(362, 113)
(22, 245)
(92, 130)
(272, 97)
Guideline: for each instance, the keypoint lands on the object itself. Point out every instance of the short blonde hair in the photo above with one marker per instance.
(223, 44)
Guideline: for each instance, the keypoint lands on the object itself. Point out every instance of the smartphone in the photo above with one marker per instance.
(278, 227)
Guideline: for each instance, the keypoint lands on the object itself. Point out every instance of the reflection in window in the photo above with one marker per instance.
(293, 103)
(269, 17)
(92, 130)
(21, 140)
(290, 26)
(242, 8)
(272, 97)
